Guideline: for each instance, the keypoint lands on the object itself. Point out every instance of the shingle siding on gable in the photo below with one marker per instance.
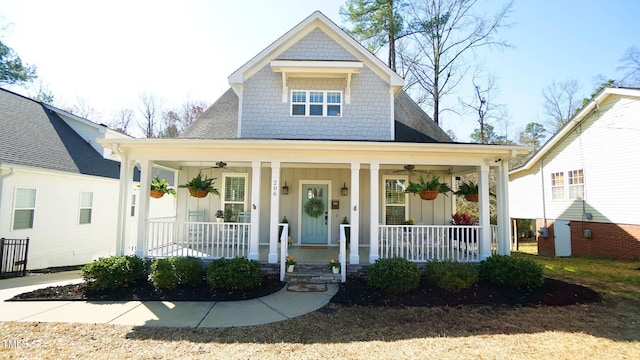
(317, 46)
(366, 117)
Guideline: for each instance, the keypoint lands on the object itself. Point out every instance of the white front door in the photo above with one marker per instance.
(562, 237)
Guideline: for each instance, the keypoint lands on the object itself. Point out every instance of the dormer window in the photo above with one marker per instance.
(316, 103)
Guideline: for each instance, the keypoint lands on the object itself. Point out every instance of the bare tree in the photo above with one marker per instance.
(444, 32)
(83, 109)
(484, 107)
(561, 100)
(122, 120)
(178, 120)
(631, 67)
(150, 107)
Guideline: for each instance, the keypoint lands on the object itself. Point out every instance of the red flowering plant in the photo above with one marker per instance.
(461, 219)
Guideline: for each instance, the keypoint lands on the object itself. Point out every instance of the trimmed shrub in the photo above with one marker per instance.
(451, 276)
(170, 272)
(114, 272)
(395, 275)
(234, 274)
(513, 271)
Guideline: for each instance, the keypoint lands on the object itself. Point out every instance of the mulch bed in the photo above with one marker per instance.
(351, 293)
(146, 292)
(552, 293)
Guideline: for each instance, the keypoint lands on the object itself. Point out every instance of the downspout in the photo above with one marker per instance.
(544, 203)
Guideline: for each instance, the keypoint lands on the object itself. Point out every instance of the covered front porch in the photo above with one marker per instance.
(264, 181)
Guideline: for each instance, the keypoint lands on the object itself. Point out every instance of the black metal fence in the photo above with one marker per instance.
(13, 257)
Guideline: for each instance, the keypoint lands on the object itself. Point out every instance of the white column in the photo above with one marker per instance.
(375, 211)
(254, 242)
(354, 257)
(143, 208)
(123, 204)
(275, 212)
(502, 209)
(483, 192)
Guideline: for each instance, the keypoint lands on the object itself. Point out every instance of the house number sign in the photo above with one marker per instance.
(274, 187)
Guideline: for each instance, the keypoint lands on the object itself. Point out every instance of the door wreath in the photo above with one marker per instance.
(314, 207)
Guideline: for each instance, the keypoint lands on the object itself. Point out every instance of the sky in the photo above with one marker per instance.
(108, 53)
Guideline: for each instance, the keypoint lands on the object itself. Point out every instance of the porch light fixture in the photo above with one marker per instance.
(345, 190)
(285, 189)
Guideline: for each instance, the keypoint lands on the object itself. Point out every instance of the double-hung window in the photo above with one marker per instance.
(557, 186)
(86, 207)
(576, 184)
(24, 209)
(395, 200)
(235, 189)
(316, 103)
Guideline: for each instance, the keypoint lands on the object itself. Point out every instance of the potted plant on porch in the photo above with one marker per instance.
(160, 187)
(469, 190)
(290, 262)
(428, 190)
(200, 186)
(220, 216)
(334, 264)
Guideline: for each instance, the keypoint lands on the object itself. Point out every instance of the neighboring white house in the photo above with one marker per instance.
(315, 116)
(573, 186)
(57, 185)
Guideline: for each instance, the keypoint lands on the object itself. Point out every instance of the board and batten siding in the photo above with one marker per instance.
(605, 146)
(57, 238)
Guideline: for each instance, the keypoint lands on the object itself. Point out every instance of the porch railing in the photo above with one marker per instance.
(200, 239)
(421, 243)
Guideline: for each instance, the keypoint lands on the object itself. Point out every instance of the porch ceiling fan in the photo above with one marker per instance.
(411, 169)
(219, 165)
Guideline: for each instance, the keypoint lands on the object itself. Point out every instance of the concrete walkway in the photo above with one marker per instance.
(279, 306)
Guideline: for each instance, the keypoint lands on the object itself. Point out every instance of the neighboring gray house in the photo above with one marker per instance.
(316, 119)
(572, 186)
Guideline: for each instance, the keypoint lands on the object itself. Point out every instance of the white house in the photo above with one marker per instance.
(315, 116)
(572, 186)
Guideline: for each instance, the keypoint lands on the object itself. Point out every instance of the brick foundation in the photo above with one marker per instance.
(607, 240)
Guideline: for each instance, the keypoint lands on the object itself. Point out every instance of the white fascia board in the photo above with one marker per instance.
(316, 67)
(577, 119)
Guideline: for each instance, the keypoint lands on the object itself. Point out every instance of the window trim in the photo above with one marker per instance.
(90, 208)
(571, 186)
(15, 208)
(562, 186)
(223, 201)
(384, 199)
(325, 103)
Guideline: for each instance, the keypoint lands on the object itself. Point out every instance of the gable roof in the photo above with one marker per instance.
(34, 135)
(576, 120)
(220, 121)
(312, 22)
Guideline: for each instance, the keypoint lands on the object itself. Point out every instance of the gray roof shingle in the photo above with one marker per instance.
(32, 135)
(220, 121)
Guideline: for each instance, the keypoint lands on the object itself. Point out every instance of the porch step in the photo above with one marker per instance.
(313, 274)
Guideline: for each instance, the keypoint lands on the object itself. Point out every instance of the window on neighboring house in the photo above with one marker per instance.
(24, 209)
(316, 103)
(234, 191)
(86, 207)
(557, 186)
(395, 201)
(576, 184)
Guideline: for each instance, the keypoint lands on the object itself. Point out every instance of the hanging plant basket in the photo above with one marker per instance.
(157, 194)
(198, 193)
(428, 194)
(314, 207)
(471, 197)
